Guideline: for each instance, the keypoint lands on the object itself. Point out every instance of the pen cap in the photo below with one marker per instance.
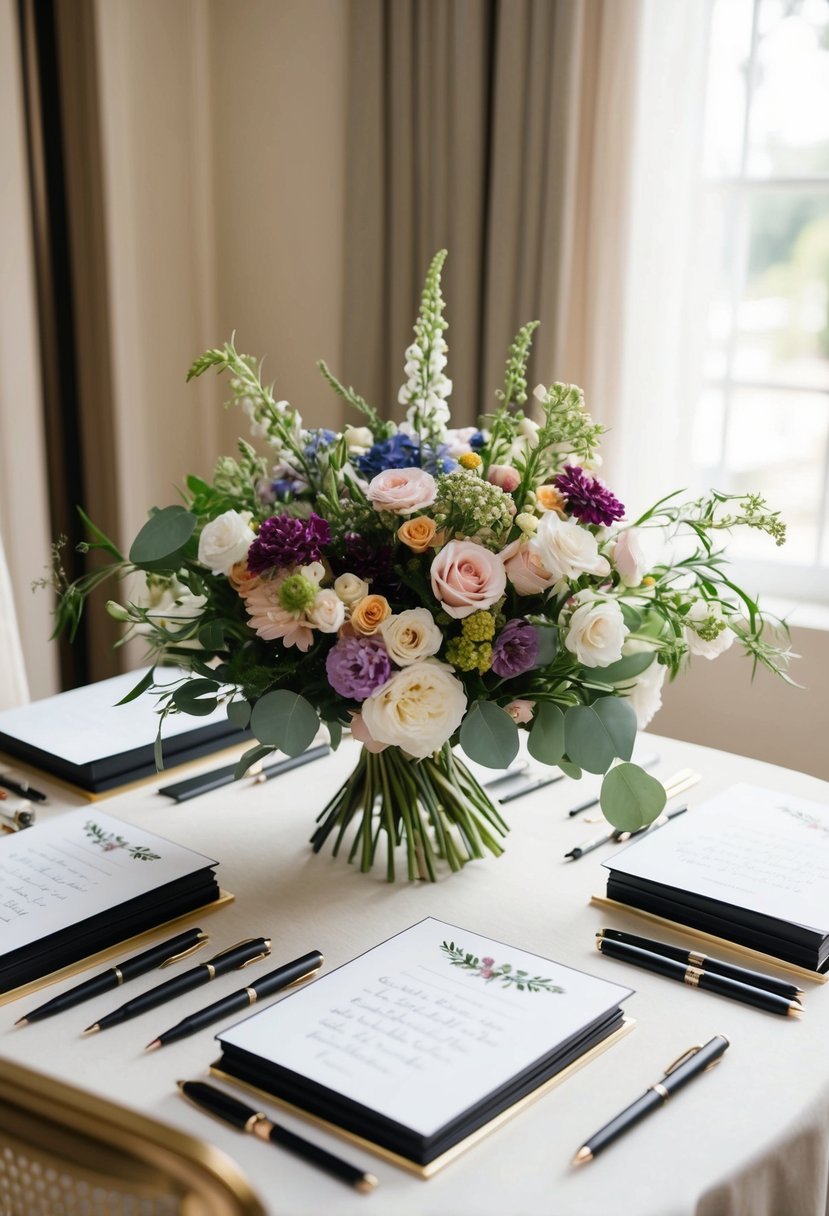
(694, 1061)
(219, 1103)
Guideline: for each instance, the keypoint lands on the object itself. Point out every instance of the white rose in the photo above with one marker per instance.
(314, 572)
(566, 549)
(597, 630)
(418, 709)
(358, 440)
(350, 589)
(708, 614)
(327, 612)
(225, 541)
(411, 636)
(629, 557)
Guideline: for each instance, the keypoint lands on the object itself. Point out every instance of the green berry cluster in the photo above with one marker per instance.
(467, 655)
(468, 506)
(479, 627)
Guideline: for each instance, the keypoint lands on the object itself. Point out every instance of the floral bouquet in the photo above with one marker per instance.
(427, 587)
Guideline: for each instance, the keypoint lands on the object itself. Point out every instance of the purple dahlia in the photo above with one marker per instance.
(588, 498)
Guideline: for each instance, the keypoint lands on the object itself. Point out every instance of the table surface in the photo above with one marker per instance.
(704, 1152)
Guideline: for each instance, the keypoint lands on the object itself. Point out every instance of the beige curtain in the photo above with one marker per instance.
(499, 129)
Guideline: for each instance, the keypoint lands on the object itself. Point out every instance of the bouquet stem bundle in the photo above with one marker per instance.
(433, 806)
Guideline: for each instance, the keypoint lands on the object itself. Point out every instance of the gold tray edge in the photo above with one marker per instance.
(428, 1171)
(602, 901)
(112, 952)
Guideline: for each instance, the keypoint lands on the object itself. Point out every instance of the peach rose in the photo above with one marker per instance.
(417, 534)
(241, 579)
(524, 569)
(466, 577)
(368, 614)
(403, 491)
(550, 498)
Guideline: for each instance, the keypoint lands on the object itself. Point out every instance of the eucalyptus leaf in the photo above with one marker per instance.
(162, 536)
(627, 668)
(547, 636)
(546, 741)
(212, 635)
(285, 720)
(599, 733)
(335, 734)
(631, 617)
(631, 798)
(489, 736)
(569, 769)
(196, 697)
(252, 756)
(238, 713)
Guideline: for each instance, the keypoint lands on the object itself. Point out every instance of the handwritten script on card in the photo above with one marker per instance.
(60, 872)
(749, 847)
(405, 1032)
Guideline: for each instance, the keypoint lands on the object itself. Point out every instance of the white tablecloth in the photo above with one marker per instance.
(751, 1137)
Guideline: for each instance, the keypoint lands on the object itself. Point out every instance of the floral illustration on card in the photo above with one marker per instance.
(108, 842)
(488, 970)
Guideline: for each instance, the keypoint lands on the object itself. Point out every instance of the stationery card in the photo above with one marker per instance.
(748, 847)
(428, 1024)
(77, 865)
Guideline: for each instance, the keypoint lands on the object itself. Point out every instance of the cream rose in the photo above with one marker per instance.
(225, 541)
(358, 440)
(411, 636)
(566, 549)
(466, 577)
(403, 491)
(524, 569)
(417, 710)
(327, 612)
(707, 615)
(597, 630)
(350, 589)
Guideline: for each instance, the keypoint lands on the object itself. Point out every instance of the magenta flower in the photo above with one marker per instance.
(284, 540)
(588, 498)
(488, 962)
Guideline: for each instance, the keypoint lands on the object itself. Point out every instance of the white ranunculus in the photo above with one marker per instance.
(596, 630)
(225, 541)
(629, 557)
(411, 636)
(327, 612)
(314, 572)
(566, 549)
(418, 709)
(350, 589)
(708, 615)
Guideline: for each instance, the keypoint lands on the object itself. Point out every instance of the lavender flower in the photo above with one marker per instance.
(357, 666)
(285, 541)
(588, 498)
(515, 650)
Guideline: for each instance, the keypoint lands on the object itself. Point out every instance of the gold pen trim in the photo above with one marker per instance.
(692, 977)
(176, 958)
(659, 1088)
(119, 975)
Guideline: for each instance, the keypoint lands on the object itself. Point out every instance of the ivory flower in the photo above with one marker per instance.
(596, 630)
(566, 549)
(327, 612)
(224, 541)
(418, 709)
(629, 557)
(411, 636)
(350, 589)
(708, 634)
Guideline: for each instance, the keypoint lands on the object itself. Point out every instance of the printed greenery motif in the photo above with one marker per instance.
(108, 841)
(488, 970)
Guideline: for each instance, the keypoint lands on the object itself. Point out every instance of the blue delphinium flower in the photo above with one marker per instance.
(399, 452)
(318, 439)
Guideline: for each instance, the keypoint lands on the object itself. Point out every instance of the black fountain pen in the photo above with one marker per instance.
(232, 959)
(694, 977)
(694, 958)
(620, 837)
(246, 1119)
(162, 955)
(291, 973)
(689, 1065)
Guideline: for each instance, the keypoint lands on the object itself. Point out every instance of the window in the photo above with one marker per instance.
(762, 419)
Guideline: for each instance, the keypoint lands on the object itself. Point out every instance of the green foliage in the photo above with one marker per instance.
(546, 741)
(489, 736)
(599, 733)
(159, 544)
(631, 798)
(285, 720)
(379, 428)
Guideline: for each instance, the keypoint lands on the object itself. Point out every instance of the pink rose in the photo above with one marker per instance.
(629, 558)
(466, 577)
(521, 712)
(403, 491)
(524, 569)
(504, 476)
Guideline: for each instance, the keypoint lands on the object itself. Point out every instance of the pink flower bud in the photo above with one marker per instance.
(504, 476)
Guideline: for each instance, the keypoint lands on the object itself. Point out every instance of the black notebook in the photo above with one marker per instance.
(83, 881)
(86, 738)
(419, 1044)
(750, 866)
